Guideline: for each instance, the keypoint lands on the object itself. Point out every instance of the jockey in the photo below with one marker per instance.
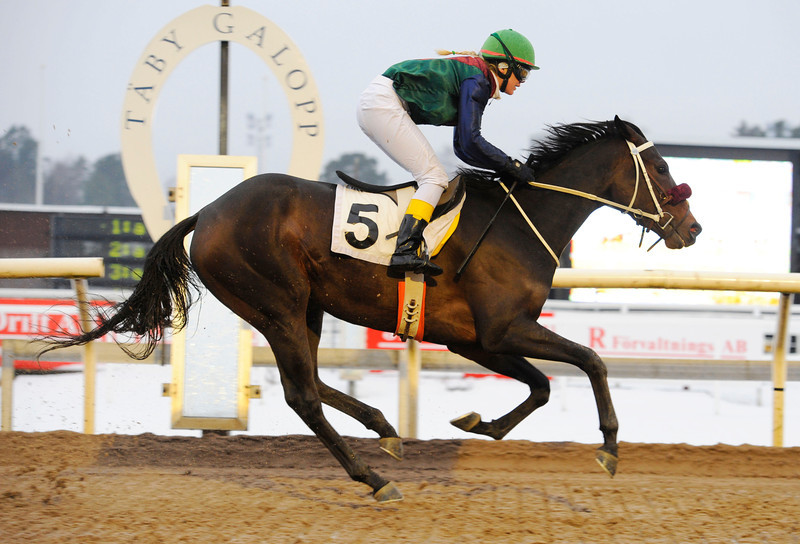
(449, 91)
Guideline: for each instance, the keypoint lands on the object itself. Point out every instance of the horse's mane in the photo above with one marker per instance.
(560, 140)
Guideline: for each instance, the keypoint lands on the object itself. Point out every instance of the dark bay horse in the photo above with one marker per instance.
(263, 249)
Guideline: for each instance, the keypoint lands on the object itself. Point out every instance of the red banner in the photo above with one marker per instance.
(29, 318)
(388, 340)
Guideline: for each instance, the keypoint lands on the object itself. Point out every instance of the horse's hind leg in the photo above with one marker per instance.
(372, 418)
(278, 311)
(300, 390)
(513, 367)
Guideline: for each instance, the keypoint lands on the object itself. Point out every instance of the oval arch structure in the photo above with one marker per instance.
(172, 44)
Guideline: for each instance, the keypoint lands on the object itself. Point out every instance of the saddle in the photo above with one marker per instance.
(411, 292)
(449, 199)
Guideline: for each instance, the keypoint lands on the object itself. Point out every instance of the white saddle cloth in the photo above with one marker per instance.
(365, 224)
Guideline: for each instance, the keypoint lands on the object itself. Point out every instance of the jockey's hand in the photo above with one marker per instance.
(519, 171)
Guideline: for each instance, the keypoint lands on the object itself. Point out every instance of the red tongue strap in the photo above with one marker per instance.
(679, 193)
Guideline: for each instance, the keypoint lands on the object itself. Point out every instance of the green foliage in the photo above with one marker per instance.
(106, 186)
(356, 165)
(18, 152)
(74, 182)
(778, 129)
(71, 181)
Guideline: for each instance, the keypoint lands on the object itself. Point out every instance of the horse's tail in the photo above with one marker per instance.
(167, 283)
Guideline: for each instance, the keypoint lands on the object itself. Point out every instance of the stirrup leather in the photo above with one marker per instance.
(411, 307)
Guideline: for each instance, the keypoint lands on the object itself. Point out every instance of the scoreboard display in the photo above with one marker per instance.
(120, 239)
(746, 199)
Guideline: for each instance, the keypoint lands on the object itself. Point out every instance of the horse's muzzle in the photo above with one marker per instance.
(678, 234)
(684, 237)
(694, 231)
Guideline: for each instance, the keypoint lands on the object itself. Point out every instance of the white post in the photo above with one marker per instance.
(408, 403)
(89, 360)
(7, 387)
(55, 268)
(779, 369)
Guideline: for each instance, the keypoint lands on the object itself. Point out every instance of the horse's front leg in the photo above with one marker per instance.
(595, 368)
(530, 339)
(372, 418)
(512, 366)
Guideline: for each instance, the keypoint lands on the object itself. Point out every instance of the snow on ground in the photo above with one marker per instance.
(129, 401)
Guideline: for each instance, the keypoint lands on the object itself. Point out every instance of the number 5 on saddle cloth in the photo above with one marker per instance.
(365, 223)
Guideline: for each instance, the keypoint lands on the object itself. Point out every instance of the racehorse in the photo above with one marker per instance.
(263, 249)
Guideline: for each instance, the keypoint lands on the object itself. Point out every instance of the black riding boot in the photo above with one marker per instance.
(410, 253)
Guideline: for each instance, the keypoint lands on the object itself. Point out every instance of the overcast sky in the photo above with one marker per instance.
(684, 71)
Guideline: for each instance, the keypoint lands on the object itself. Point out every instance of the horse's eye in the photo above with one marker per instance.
(662, 169)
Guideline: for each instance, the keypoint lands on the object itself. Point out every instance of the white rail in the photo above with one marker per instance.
(410, 366)
(675, 279)
(78, 269)
(785, 284)
(61, 267)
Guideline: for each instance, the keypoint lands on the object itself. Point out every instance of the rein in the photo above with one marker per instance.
(636, 213)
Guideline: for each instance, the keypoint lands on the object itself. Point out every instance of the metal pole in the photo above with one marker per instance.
(39, 191)
(223, 94)
(89, 360)
(779, 369)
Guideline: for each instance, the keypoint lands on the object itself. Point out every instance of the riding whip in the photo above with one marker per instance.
(468, 258)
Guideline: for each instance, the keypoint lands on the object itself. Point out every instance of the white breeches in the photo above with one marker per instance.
(382, 116)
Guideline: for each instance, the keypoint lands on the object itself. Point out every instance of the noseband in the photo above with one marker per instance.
(674, 196)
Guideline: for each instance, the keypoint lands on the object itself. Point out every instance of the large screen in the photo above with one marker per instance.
(744, 204)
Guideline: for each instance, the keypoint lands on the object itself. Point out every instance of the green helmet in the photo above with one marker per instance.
(511, 46)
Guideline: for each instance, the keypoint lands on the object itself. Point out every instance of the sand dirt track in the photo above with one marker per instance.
(66, 487)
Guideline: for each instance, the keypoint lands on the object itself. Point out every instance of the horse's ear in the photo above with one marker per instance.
(627, 130)
(621, 126)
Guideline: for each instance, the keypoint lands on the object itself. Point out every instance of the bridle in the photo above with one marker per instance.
(676, 195)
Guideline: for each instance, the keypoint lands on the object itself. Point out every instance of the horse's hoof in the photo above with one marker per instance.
(388, 493)
(607, 461)
(392, 445)
(466, 422)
